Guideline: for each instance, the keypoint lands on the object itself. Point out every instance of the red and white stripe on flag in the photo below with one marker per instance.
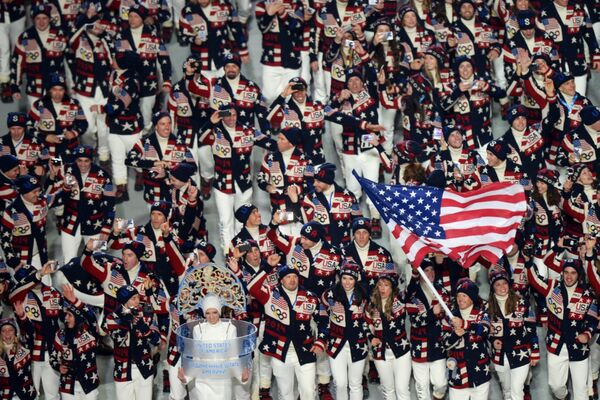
(481, 223)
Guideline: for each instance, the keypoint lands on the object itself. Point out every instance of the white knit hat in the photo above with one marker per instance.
(211, 300)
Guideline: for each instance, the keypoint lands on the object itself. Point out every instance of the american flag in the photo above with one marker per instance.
(149, 151)
(577, 147)
(592, 223)
(220, 97)
(20, 219)
(274, 167)
(123, 96)
(556, 297)
(463, 226)
(278, 300)
(338, 308)
(193, 23)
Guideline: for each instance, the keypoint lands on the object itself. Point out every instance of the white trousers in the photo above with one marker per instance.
(480, 392)
(226, 206)
(96, 123)
(146, 106)
(321, 93)
(243, 8)
(336, 130)
(119, 146)
(290, 371)
(347, 375)
(394, 375)
(204, 159)
(178, 388)
(430, 373)
(79, 394)
(275, 79)
(70, 243)
(137, 388)
(45, 376)
(327, 82)
(366, 164)
(177, 7)
(498, 65)
(594, 363)
(32, 99)
(387, 118)
(264, 369)
(305, 70)
(323, 366)
(559, 367)
(512, 380)
(9, 33)
(581, 84)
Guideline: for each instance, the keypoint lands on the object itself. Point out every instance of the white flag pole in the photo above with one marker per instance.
(435, 293)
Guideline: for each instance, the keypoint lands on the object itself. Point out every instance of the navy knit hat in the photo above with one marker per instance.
(312, 231)
(447, 130)
(468, 287)
(326, 173)
(41, 9)
(139, 10)
(350, 267)
(391, 276)
(543, 56)
(67, 306)
(357, 72)
(361, 223)
(548, 176)
(125, 293)
(515, 112)
(499, 149)
(438, 53)
(161, 206)
(16, 119)
(561, 77)
(231, 58)
(158, 116)
(575, 264)
(590, 115)
(27, 183)
(293, 135)
(461, 2)
(497, 273)
(56, 80)
(84, 151)
(526, 19)
(183, 171)
(285, 270)
(460, 60)
(11, 322)
(298, 80)
(243, 212)
(8, 162)
(576, 170)
(207, 249)
(405, 10)
(138, 248)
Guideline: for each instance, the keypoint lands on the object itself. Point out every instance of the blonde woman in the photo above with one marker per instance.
(15, 361)
(391, 348)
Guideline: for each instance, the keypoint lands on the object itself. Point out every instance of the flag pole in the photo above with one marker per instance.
(435, 293)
